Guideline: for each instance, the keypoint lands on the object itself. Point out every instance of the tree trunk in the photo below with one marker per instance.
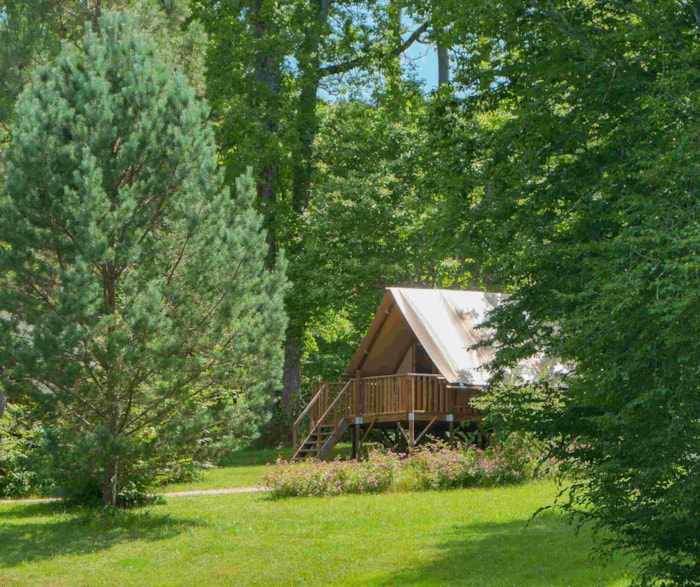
(306, 125)
(443, 55)
(3, 403)
(109, 483)
(307, 117)
(268, 75)
(291, 382)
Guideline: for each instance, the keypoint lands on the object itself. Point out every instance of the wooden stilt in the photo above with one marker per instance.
(358, 409)
(355, 434)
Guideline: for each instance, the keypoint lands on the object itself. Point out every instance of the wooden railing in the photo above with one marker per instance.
(393, 394)
(410, 392)
(305, 423)
(430, 394)
(326, 406)
(329, 391)
(462, 405)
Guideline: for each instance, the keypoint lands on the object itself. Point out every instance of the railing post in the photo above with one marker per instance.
(451, 420)
(412, 406)
(412, 415)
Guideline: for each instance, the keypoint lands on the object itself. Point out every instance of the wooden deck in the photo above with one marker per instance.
(412, 402)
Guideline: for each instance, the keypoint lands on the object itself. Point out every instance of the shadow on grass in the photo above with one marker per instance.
(29, 510)
(254, 457)
(547, 551)
(77, 532)
(257, 457)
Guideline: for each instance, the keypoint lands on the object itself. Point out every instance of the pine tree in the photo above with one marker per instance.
(141, 314)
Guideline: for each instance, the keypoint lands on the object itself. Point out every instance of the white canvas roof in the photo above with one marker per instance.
(447, 325)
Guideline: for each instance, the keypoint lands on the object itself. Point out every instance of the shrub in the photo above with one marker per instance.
(21, 455)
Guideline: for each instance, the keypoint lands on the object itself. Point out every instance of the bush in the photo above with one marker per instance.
(21, 455)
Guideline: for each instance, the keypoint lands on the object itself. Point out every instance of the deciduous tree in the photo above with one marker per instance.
(585, 200)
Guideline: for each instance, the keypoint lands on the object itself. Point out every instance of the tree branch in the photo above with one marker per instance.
(346, 66)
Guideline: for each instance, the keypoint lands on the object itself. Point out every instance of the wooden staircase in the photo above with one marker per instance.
(321, 440)
(323, 422)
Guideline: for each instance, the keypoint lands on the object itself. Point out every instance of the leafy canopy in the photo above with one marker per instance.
(586, 207)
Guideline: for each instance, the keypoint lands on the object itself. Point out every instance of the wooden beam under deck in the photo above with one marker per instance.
(403, 417)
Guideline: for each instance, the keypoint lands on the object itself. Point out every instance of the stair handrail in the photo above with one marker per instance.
(325, 414)
(304, 413)
(332, 404)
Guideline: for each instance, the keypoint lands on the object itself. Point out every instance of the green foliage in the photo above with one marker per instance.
(31, 33)
(313, 94)
(20, 454)
(138, 311)
(585, 204)
(374, 221)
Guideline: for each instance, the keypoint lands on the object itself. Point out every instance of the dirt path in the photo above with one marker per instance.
(172, 494)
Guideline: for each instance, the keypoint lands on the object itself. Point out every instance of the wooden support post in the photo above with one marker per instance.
(412, 416)
(354, 442)
(358, 393)
(451, 420)
(357, 437)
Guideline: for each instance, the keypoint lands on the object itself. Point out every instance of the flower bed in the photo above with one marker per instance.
(432, 467)
(447, 469)
(316, 478)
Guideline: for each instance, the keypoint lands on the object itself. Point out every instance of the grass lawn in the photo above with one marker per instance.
(477, 537)
(244, 468)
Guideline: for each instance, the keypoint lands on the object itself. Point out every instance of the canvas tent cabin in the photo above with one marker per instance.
(414, 372)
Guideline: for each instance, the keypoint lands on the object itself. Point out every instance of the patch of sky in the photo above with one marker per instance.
(419, 63)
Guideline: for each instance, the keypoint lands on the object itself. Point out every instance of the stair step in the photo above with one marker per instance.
(324, 437)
